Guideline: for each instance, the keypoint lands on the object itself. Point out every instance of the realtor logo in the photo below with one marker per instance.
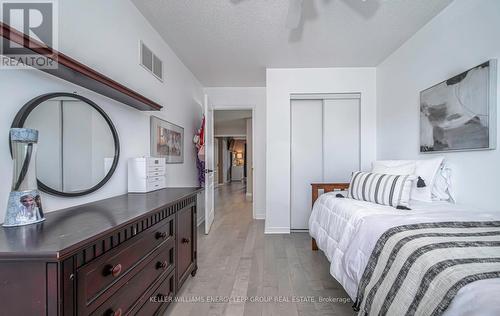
(38, 20)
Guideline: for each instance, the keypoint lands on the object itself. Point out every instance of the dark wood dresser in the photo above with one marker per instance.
(126, 255)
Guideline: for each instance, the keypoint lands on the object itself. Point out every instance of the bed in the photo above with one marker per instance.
(347, 231)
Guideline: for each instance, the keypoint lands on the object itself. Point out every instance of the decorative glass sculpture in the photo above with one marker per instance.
(24, 205)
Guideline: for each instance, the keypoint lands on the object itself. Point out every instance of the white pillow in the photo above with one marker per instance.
(442, 190)
(427, 170)
(394, 167)
(384, 189)
(424, 168)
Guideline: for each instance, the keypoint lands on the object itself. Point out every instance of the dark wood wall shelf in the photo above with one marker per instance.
(75, 72)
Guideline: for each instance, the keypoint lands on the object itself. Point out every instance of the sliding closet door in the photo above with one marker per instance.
(306, 157)
(325, 147)
(341, 145)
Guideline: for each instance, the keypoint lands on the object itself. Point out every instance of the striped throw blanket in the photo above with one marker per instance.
(418, 269)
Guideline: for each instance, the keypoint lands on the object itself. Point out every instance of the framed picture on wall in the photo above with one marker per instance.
(459, 114)
(167, 140)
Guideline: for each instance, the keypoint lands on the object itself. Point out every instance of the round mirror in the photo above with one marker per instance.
(78, 147)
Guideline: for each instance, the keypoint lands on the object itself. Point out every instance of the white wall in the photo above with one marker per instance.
(280, 84)
(231, 128)
(226, 160)
(236, 173)
(463, 35)
(107, 40)
(231, 97)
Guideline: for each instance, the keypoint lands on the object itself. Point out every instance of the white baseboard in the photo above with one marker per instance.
(277, 230)
(260, 216)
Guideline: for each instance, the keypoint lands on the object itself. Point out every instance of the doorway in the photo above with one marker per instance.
(233, 154)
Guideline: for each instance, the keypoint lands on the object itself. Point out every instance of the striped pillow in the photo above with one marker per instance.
(385, 189)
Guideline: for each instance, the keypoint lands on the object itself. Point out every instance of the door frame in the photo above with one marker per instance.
(209, 156)
(243, 108)
(220, 161)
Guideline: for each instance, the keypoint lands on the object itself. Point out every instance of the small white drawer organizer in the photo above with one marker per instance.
(146, 174)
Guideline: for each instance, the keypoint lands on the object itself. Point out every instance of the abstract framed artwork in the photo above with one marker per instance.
(167, 140)
(459, 114)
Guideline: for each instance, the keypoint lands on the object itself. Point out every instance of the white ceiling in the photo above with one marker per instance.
(232, 42)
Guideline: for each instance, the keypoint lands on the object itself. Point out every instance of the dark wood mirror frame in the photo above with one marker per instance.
(25, 111)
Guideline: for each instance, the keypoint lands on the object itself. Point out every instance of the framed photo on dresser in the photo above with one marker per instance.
(167, 140)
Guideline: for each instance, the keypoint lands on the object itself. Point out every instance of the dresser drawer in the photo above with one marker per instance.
(156, 179)
(155, 168)
(155, 184)
(155, 162)
(157, 300)
(99, 275)
(155, 173)
(124, 300)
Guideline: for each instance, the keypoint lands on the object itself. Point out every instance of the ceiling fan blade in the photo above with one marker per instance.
(294, 14)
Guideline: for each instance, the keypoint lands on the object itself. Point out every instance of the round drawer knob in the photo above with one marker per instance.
(185, 240)
(115, 270)
(161, 235)
(161, 265)
(117, 312)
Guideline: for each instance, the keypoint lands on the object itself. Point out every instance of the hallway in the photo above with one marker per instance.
(237, 262)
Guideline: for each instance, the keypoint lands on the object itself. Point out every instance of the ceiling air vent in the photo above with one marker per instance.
(151, 62)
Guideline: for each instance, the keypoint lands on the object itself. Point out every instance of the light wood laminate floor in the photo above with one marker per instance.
(237, 261)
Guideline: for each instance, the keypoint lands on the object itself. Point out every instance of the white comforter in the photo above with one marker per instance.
(347, 231)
